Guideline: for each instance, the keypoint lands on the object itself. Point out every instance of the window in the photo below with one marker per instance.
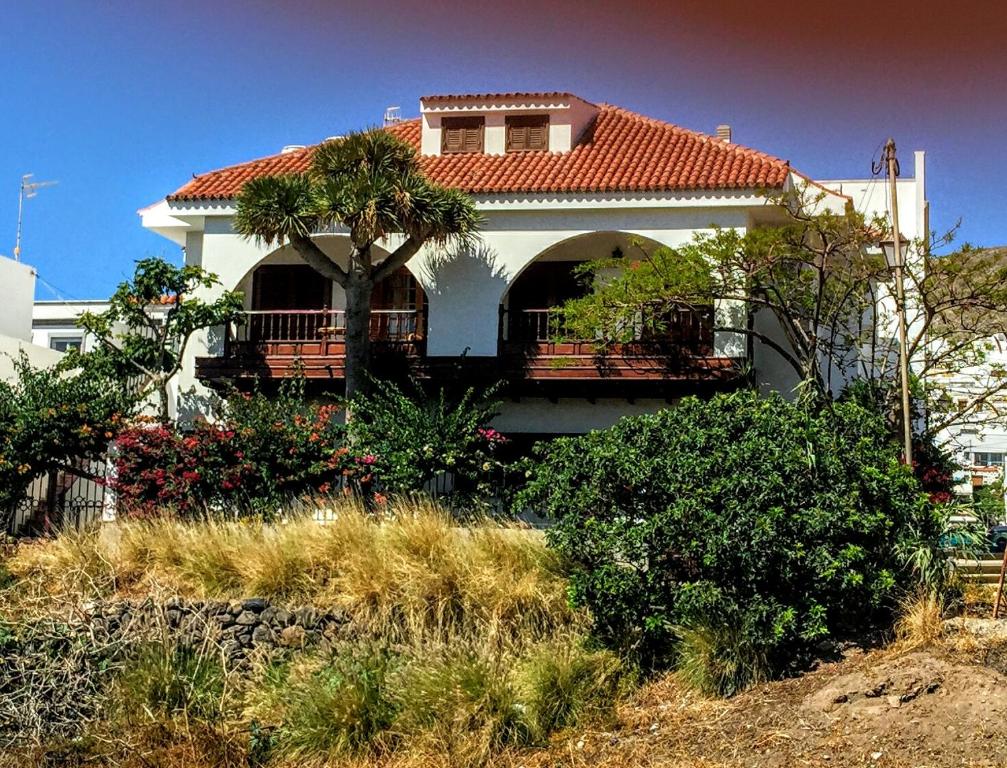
(527, 132)
(987, 459)
(64, 343)
(462, 134)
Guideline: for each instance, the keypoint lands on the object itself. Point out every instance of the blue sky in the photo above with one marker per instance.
(122, 102)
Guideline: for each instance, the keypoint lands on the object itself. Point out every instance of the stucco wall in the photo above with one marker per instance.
(17, 296)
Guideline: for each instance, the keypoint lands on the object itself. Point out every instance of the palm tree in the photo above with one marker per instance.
(370, 183)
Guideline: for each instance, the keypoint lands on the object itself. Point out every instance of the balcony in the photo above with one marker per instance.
(274, 344)
(677, 346)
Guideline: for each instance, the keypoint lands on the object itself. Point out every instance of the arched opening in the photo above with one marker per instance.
(665, 341)
(286, 300)
(528, 308)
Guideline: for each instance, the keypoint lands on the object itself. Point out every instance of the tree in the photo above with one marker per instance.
(812, 272)
(143, 334)
(819, 274)
(50, 420)
(370, 183)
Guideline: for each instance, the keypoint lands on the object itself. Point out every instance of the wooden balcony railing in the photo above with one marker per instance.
(689, 329)
(292, 326)
(273, 344)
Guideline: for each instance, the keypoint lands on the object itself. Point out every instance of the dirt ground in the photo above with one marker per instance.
(932, 708)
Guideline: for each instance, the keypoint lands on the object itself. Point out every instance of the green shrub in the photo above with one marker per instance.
(564, 684)
(168, 681)
(337, 709)
(781, 524)
(413, 437)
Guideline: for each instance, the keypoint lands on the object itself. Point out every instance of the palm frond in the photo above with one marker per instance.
(271, 209)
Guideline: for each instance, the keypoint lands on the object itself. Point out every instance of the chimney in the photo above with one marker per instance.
(724, 133)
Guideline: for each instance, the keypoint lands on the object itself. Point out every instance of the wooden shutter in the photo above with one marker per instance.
(461, 134)
(527, 132)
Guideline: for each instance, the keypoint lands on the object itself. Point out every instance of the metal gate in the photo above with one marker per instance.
(73, 498)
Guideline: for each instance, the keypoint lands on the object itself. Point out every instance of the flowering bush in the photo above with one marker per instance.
(50, 421)
(261, 452)
(265, 450)
(410, 439)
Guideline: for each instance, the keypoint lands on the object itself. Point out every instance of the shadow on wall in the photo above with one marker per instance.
(452, 273)
(464, 287)
(193, 404)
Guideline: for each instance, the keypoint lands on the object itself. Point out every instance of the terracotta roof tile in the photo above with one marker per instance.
(620, 151)
(499, 96)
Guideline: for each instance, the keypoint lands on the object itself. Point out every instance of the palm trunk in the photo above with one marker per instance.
(358, 332)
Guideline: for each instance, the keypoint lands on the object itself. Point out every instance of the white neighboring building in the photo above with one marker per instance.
(559, 181)
(17, 294)
(54, 324)
(979, 443)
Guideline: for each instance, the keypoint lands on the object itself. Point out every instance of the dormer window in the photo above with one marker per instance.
(527, 132)
(462, 134)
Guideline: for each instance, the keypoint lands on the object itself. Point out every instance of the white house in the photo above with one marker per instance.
(17, 294)
(559, 180)
(54, 323)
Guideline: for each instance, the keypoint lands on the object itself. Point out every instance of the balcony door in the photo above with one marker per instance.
(544, 285)
(397, 305)
(289, 303)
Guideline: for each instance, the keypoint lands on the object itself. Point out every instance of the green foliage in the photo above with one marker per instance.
(143, 334)
(261, 452)
(51, 420)
(414, 437)
(988, 502)
(781, 524)
(338, 709)
(164, 681)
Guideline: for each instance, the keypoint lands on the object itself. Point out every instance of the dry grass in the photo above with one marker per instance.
(920, 621)
(470, 625)
(412, 571)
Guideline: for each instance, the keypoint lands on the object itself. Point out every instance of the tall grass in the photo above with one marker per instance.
(920, 620)
(408, 573)
(461, 642)
(717, 659)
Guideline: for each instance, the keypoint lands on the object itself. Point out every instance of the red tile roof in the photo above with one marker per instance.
(620, 151)
(529, 95)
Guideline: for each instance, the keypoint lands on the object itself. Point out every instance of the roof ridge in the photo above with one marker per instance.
(626, 152)
(301, 149)
(704, 137)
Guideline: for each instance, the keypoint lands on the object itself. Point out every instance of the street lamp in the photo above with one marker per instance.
(894, 260)
(895, 254)
(895, 249)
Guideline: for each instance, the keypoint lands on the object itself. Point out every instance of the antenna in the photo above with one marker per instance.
(392, 116)
(29, 189)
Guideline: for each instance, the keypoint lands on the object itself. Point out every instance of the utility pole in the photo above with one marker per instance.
(892, 165)
(29, 189)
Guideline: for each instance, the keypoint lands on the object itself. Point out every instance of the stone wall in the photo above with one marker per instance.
(238, 627)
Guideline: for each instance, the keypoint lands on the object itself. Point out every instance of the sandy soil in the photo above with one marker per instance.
(933, 709)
